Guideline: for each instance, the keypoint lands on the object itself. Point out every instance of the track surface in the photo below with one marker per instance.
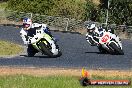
(77, 53)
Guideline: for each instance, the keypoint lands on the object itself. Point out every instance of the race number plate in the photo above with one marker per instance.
(105, 38)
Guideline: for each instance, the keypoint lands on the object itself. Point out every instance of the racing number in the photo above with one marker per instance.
(105, 38)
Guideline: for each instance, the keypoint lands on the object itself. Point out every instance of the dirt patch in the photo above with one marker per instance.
(61, 71)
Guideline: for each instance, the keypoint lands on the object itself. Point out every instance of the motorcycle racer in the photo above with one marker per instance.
(93, 34)
(29, 30)
(105, 40)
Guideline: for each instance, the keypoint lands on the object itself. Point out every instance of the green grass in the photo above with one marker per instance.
(24, 81)
(8, 48)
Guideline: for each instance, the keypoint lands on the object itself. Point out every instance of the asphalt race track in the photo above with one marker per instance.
(77, 53)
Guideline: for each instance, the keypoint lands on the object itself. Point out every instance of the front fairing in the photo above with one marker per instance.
(40, 38)
(105, 38)
(116, 40)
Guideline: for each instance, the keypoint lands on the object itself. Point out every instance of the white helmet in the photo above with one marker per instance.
(91, 26)
(27, 23)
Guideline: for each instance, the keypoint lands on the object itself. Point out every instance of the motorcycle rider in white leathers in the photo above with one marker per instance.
(93, 34)
(29, 29)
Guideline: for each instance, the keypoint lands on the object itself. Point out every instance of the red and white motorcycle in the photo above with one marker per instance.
(110, 43)
(107, 43)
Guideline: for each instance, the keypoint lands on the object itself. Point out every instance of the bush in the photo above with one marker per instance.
(120, 11)
(37, 6)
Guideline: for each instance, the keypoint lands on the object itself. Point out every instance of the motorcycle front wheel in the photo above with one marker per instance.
(47, 51)
(117, 50)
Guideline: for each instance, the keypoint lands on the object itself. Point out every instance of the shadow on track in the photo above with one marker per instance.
(36, 56)
(92, 52)
(97, 52)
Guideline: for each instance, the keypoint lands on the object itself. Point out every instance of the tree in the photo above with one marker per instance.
(104, 4)
(90, 11)
(120, 12)
(68, 8)
(34, 6)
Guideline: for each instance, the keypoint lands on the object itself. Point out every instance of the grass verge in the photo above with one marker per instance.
(25, 81)
(8, 48)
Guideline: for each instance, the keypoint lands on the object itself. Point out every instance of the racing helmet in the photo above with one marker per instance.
(27, 23)
(91, 27)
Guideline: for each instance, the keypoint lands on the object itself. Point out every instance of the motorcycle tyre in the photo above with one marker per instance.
(117, 50)
(46, 51)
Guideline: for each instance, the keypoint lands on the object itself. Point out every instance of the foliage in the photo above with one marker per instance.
(120, 11)
(90, 11)
(3, 0)
(104, 4)
(64, 8)
(69, 8)
(3, 5)
(34, 6)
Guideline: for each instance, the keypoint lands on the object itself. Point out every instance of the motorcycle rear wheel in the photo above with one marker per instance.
(47, 51)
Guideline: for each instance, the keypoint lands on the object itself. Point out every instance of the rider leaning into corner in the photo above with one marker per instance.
(29, 29)
(94, 33)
